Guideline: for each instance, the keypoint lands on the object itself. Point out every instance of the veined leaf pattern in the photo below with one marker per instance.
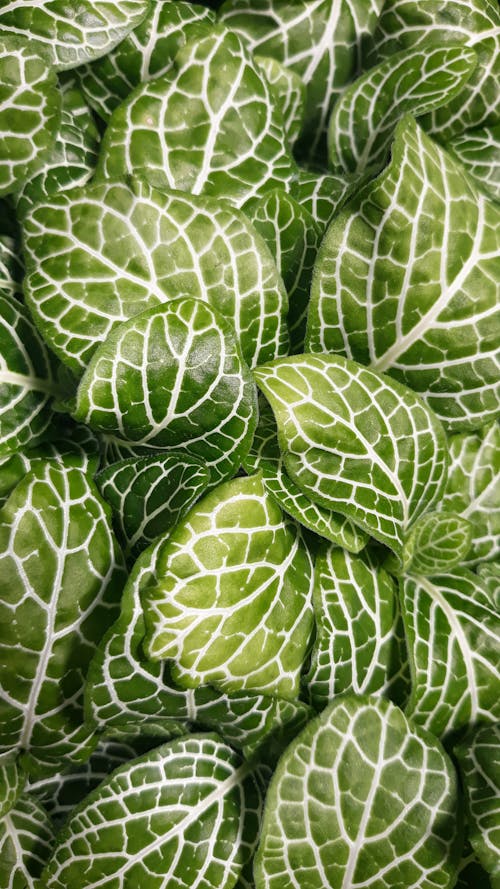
(12, 781)
(356, 442)
(26, 840)
(11, 266)
(289, 93)
(489, 574)
(323, 194)
(405, 282)
(479, 151)
(438, 542)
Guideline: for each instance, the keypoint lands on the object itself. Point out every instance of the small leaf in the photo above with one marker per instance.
(26, 840)
(324, 194)
(12, 781)
(437, 543)
(11, 266)
(289, 93)
(489, 575)
(479, 152)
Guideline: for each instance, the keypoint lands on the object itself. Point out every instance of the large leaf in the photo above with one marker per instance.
(289, 93)
(26, 840)
(479, 759)
(356, 442)
(70, 35)
(173, 377)
(359, 646)
(128, 248)
(30, 109)
(405, 281)
(147, 52)
(319, 40)
(479, 152)
(12, 780)
(360, 798)
(363, 119)
(61, 577)
(185, 814)
(453, 644)
(438, 542)
(232, 605)
(210, 126)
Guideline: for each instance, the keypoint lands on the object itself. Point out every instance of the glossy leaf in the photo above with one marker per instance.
(479, 761)
(479, 151)
(405, 282)
(232, 605)
(26, 840)
(173, 377)
(361, 797)
(489, 574)
(11, 267)
(356, 442)
(470, 873)
(12, 781)
(323, 194)
(289, 93)
(438, 542)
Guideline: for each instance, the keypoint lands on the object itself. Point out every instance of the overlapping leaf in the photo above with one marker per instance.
(26, 840)
(405, 281)
(289, 93)
(438, 542)
(12, 781)
(232, 605)
(479, 152)
(489, 573)
(356, 442)
(323, 194)
(361, 797)
(127, 248)
(210, 126)
(11, 266)
(173, 377)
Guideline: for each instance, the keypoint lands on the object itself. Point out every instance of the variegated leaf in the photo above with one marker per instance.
(479, 151)
(12, 780)
(470, 873)
(289, 93)
(26, 840)
(324, 194)
(11, 266)
(489, 574)
(439, 541)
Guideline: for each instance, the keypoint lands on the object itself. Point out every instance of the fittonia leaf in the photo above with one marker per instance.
(26, 840)
(61, 580)
(210, 126)
(407, 25)
(265, 457)
(360, 798)
(489, 574)
(439, 541)
(150, 495)
(69, 36)
(453, 643)
(479, 761)
(356, 442)
(186, 814)
(470, 873)
(473, 489)
(11, 266)
(27, 379)
(413, 299)
(320, 41)
(12, 781)
(232, 604)
(147, 52)
(128, 248)
(323, 194)
(30, 110)
(289, 93)
(173, 377)
(363, 119)
(359, 645)
(479, 152)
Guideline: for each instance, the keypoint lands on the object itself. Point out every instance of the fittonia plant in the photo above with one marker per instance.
(249, 444)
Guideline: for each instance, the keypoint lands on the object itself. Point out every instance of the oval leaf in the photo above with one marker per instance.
(26, 840)
(438, 542)
(12, 781)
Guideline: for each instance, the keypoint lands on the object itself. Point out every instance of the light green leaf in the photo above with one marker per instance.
(26, 840)
(61, 576)
(27, 379)
(405, 281)
(12, 781)
(406, 25)
(437, 542)
(323, 194)
(453, 644)
(356, 442)
(289, 93)
(147, 52)
(362, 122)
(265, 457)
(232, 605)
(489, 575)
(210, 126)
(70, 35)
(359, 646)
(319, 40)
(173, 377)
(479, 152)
(473, 489)
(479, 760)
(185, 814)
(30, 110)
(360, 798)
(150, 495)
(128, 248)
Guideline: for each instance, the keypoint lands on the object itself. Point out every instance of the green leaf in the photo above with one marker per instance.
(30, 110)
(363, 120)
(12, 781)
(479, 151)
(323, 194)
(453, 639)
(173, 377)
(70, 35)
(147, 52)
(61, 577)
(489, 575)
(185, 814)
(473, 489)
(438, 542)
(26, 840)
(27, 379)
(405, 282)
(232, 605)
(265, 457)
(479, 761)
(360, 798)
(11, 267)
(150, 495)
(356, 442)
(470, 873)
(128, 248)
(359, 646)
(210, 126)
(289, 93)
